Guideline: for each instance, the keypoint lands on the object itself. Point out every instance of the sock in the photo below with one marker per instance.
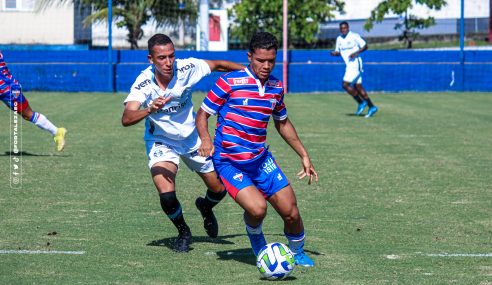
(171, 206)
(258, 230)
(43, 123)
(212, 199)
(358, 99)
(369, 102)
(256, 238)
(296, 242)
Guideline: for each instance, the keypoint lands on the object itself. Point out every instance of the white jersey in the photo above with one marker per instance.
(349, 44)
(175, 121)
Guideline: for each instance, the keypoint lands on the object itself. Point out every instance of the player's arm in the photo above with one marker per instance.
(336, 52)
(201, 122)
(356, 54)
(223, 65)
(287, 131)
(362, 46)
(133, 114)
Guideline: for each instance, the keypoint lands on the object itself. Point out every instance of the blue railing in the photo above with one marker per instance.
(309, 71)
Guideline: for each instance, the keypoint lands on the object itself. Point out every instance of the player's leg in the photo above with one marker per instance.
(285, 203)
(353, 74)
(372, 108)
(240, 187)
(214, 194)
(24, 109)
(276, 187)
(255, 210)
(163, 163)
(347, 86)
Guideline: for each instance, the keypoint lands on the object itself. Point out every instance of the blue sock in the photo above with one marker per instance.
(256, 238)
(296, 242)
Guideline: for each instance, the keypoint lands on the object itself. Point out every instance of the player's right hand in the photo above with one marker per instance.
(159, 103)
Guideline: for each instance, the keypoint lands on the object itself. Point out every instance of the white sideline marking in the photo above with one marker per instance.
(40, 252)
(460, 254)
(231, 253)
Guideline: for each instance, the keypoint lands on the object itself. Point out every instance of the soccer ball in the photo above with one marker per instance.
(275, 261)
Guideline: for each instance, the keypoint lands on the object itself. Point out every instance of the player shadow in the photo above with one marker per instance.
(169, 242)
(25, 153)
(244, 255)
(353, 115)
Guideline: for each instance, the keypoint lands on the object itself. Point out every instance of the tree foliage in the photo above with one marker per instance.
(133, 15)
(304, 18)
(409, 23)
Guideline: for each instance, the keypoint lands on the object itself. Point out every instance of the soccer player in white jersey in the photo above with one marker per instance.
(161, 95)
(350, 45)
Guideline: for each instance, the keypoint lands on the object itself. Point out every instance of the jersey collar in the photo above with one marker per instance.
(261, 88)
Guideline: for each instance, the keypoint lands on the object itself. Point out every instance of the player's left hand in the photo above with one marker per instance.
(354, 55)
(308, 170)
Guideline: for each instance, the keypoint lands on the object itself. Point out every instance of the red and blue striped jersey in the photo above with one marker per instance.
(243, 107)
(5, 77)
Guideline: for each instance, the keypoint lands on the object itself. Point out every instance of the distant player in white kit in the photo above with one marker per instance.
(161, 95)
(349, 45)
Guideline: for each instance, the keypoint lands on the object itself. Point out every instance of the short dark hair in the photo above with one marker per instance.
(344, 23)
(263, 40)
(158, 40)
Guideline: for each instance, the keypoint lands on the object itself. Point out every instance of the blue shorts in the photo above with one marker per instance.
(11, 95)
(263, 173)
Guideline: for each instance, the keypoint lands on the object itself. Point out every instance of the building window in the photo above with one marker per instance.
(19, 5)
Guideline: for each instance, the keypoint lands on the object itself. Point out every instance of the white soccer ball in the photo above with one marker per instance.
(275, 261)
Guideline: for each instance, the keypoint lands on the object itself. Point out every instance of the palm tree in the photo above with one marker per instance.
(134, 14)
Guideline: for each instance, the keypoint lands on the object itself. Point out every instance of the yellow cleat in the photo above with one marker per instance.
(59, 138)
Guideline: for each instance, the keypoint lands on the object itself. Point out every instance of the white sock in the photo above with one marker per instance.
(254, 231)
(43, 123)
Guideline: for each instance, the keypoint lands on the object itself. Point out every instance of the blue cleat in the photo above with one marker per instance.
(371, 111)
(361, 108)
(303, 260)
(257, 242)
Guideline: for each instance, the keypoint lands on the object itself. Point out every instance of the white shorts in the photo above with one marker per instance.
(353, 72)
(159, 151)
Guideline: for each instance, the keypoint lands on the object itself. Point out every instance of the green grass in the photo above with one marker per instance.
(412, 181)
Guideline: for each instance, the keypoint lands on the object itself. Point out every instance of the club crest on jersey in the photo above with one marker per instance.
(158, 153)
(16, 93)
(273, 83)
(238, 177)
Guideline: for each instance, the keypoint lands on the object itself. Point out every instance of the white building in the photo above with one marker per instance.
(24, 24)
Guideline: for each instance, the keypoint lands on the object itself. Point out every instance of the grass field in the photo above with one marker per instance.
(403, 198)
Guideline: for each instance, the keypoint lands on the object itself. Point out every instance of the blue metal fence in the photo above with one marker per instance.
(309, 71)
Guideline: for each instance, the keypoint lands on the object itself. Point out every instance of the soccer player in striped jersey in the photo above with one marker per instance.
(11, 94)
(162, 95)
(243, 101)
(349, 46)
